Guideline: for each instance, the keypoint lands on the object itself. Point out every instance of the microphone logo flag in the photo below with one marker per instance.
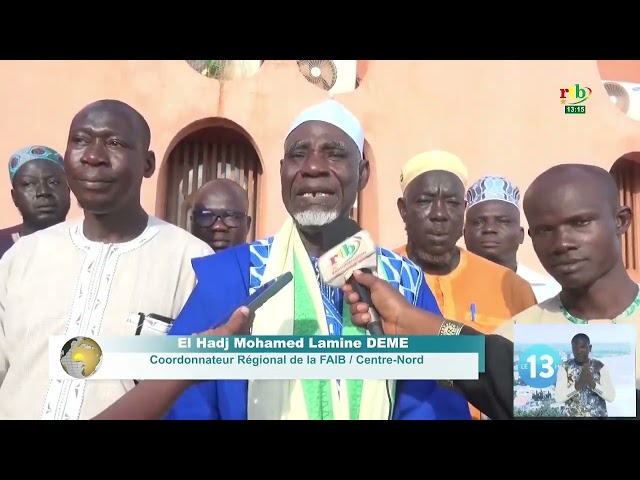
(338, 264)
(345, 251)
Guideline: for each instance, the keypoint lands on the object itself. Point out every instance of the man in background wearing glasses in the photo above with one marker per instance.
(220, 214)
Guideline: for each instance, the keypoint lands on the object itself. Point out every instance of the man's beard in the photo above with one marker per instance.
(438, 260)
(315, 218)
(434, 260)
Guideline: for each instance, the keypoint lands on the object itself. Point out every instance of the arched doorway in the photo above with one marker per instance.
(220, 151)
(626, 171)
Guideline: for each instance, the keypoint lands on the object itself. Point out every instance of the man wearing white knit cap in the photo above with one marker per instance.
(316, 192)
(321, 172)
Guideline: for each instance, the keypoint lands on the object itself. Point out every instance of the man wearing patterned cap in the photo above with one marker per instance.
(492, 230)
(321, 173)
(469, 288)
(39, 192)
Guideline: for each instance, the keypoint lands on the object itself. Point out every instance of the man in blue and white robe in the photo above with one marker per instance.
(321, 173)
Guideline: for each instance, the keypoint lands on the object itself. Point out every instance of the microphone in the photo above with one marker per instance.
(350, 248)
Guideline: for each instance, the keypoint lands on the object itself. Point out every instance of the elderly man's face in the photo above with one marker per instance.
(433, 213)
(321, 173)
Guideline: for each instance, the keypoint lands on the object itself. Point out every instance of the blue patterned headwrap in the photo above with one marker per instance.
(493, 187)
(35, 152)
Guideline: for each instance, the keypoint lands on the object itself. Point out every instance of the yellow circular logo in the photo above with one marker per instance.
(81, 357)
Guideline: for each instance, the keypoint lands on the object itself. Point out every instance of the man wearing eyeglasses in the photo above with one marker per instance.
(220, 214)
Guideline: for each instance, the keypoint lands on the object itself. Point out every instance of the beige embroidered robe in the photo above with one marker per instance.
(57, 282)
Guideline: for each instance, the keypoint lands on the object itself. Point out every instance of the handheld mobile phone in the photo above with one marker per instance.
(266, 291)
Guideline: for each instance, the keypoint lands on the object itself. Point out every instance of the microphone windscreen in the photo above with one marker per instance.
(338, 231)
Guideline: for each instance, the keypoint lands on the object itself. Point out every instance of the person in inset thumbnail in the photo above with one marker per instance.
(584, 384)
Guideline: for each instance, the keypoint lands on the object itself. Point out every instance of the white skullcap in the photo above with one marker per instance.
(336, 114)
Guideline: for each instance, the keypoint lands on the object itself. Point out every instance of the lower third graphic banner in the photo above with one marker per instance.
(267, 358)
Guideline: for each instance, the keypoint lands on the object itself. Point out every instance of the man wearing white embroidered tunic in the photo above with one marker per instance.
(90, 277)
(321, 173)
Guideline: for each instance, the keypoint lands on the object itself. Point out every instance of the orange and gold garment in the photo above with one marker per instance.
(479, 293)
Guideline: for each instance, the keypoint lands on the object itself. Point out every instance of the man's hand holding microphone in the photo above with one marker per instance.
(350, 263)
(491, 394)
(397, 315)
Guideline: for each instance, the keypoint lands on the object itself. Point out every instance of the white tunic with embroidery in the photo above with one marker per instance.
(57, 282)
